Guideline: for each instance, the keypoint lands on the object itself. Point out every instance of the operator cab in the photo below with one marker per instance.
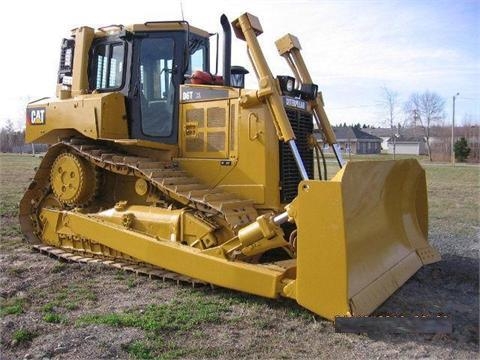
(147, 63)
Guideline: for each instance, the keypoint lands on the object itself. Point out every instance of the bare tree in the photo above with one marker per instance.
(426, 109)
(10, 139)
(390, 108)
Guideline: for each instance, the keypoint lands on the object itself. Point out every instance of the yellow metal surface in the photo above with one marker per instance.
(252, 169)
(72, 179)
(164, 224)
(205, 130)
(166, 26)
(247, 27)
(93, 115)
(83, 41)
(289, 47)
(364, 244)
(255, 279)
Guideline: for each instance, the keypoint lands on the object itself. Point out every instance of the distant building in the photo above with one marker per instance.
(407, 145)
(355, 141)
(383, 133)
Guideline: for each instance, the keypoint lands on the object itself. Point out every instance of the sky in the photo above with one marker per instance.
(352, 48)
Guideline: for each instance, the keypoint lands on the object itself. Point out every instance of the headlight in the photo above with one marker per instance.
(290, 85)
(309, 91)
(287, 85)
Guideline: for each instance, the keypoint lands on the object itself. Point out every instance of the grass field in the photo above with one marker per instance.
(55, 310)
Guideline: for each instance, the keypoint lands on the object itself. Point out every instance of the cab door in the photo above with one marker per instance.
(156, 75)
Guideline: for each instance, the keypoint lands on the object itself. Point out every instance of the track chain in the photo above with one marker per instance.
(133, 267)
(165, 176)
(172, 181)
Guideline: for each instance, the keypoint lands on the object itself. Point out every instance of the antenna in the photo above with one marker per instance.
(181, 9)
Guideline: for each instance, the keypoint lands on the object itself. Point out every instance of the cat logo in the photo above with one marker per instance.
(36, 116)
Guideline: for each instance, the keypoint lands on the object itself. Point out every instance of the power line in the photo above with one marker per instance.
(349, 107)
(467, 98)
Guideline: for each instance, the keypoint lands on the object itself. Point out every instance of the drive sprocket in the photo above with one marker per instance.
(73, 180)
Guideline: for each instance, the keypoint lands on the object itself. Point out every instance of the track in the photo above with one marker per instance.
(213, 205)
(120, 264)
(165, 176)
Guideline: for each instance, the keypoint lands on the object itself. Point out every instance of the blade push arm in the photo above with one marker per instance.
(247, 27)
(289, 48)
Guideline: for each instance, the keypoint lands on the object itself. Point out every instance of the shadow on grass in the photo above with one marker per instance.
(449, 287)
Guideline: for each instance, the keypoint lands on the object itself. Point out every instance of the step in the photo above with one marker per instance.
(186, 187)
(154, 165)
(176, 180)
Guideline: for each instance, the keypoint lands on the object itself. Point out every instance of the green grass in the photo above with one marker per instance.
(179, 315)
(154, 348)
(51, 315)
(53, 318)
(59, 267)
(15, 173)
(454, 206)
(140, 350)
(184, 315)
(13, 306)
(65, 300)
(22, 336)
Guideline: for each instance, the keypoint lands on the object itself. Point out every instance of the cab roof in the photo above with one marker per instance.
(151, 26)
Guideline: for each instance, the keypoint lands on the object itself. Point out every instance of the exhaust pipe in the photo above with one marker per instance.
(227, 49)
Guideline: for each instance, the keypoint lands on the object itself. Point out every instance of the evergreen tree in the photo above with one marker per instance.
(461, 149)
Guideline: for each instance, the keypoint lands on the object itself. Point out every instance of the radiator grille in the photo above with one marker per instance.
(216, 117)
(195, 115)
(302, 126)
(195, 144)
(216, 141)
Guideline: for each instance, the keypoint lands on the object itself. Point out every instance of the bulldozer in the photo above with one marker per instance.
(155, 160)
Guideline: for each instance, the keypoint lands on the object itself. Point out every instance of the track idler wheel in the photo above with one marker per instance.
(73, 180)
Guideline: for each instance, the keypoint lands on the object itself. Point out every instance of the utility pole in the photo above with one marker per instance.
(453, 127)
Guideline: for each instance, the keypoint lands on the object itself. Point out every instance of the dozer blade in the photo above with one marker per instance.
(360, 236)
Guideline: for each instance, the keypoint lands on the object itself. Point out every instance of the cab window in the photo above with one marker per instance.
(197, 60)
(157, 91)
(198, 56)
(108, 66)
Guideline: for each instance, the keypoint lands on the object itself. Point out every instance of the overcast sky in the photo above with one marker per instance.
(352, 48)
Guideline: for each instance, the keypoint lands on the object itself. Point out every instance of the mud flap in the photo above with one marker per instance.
(360, 236)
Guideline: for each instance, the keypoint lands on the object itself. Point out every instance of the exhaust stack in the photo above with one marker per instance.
(227, 49)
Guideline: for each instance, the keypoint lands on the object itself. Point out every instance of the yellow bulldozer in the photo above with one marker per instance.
(154, 160)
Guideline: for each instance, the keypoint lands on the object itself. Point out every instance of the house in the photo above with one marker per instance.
(383, 133)
(355, 141)
(407, 145)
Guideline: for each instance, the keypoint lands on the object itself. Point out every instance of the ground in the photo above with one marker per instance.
(55, 310)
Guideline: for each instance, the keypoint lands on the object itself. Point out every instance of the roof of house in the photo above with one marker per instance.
(407, 132)
(352, 133)
(409, 139)
(381, 132)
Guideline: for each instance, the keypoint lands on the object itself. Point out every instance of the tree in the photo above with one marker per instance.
(461, 149)
(390, 108)
(427, 109)
(9, 138)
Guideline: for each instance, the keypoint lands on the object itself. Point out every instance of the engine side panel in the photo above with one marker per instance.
(96, 116)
